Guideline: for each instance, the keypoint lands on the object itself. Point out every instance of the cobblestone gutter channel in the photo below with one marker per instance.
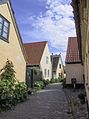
(78, 110)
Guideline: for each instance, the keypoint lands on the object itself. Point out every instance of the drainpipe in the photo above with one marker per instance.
(52, 65)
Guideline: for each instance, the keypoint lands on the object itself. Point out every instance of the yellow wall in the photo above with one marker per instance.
(84, 19)
(74, 71)
(12, 50)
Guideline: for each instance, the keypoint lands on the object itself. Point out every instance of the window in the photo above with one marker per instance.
(60, 66)
(3, 1)
(47, 60)
(45, 72)
(48, 72)
(4, 28)
(0, 1)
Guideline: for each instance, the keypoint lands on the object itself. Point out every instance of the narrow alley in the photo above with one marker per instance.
(50, 103)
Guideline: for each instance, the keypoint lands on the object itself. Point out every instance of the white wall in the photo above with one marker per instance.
(44, 65)
(59, 70)
(74, 71)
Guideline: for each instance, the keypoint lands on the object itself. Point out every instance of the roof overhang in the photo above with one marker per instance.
(75, 5)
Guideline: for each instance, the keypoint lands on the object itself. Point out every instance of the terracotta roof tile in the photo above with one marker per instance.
(72, 55)
(34, 52)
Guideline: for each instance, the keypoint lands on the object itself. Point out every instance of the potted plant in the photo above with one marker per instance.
(81, 96)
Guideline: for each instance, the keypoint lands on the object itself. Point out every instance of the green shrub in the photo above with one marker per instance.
(11, 91)
(46, 82)
(81, 96)
(39, 85)
(54, 80)
(6, 93)
(7, 72)
(20, 92)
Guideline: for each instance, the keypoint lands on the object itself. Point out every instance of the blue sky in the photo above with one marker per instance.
(45, 20)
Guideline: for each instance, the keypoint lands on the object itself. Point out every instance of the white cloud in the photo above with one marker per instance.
(56, 25)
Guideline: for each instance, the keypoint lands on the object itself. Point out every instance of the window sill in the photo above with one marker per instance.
(3, 39)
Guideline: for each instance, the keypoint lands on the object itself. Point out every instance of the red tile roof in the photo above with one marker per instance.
(72, 55)
(77, 23)
(34, 52)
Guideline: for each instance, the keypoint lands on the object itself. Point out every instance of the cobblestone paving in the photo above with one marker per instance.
(50, 103)
(79, 110)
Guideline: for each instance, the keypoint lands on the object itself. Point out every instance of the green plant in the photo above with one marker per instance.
(81, 96)
(46, 82)
(11, 91)
(20, 92)
(54, 80)
(6, 93)
(7, 72)
(39, 85)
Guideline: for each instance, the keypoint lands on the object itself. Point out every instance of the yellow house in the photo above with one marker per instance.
(11, 46)
(81, 16)
(57, 66)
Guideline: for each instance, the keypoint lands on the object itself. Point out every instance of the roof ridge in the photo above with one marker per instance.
(37, 42)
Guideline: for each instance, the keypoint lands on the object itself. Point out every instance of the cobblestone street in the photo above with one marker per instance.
(49, 103)
(46, 104)
(79, 111)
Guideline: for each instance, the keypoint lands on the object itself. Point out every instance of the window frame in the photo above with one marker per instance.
(2, 29)
(48, 73)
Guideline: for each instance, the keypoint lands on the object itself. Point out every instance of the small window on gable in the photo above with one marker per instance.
(4, 28)
(47, 60)
(60, 66)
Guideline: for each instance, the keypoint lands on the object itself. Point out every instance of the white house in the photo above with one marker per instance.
(74, 68)
(39, 56)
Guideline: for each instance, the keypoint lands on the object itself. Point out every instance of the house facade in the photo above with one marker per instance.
(11, 46)
(81, 16)
(57, 66)
(39, 57)
(74, 68)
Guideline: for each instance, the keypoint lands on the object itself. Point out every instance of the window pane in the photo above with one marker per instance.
(6, 24)
(47, 60)
(0, 31)
(5, 29)
(0, 26)
(45, 72)
(4, 35)
(1, 20)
